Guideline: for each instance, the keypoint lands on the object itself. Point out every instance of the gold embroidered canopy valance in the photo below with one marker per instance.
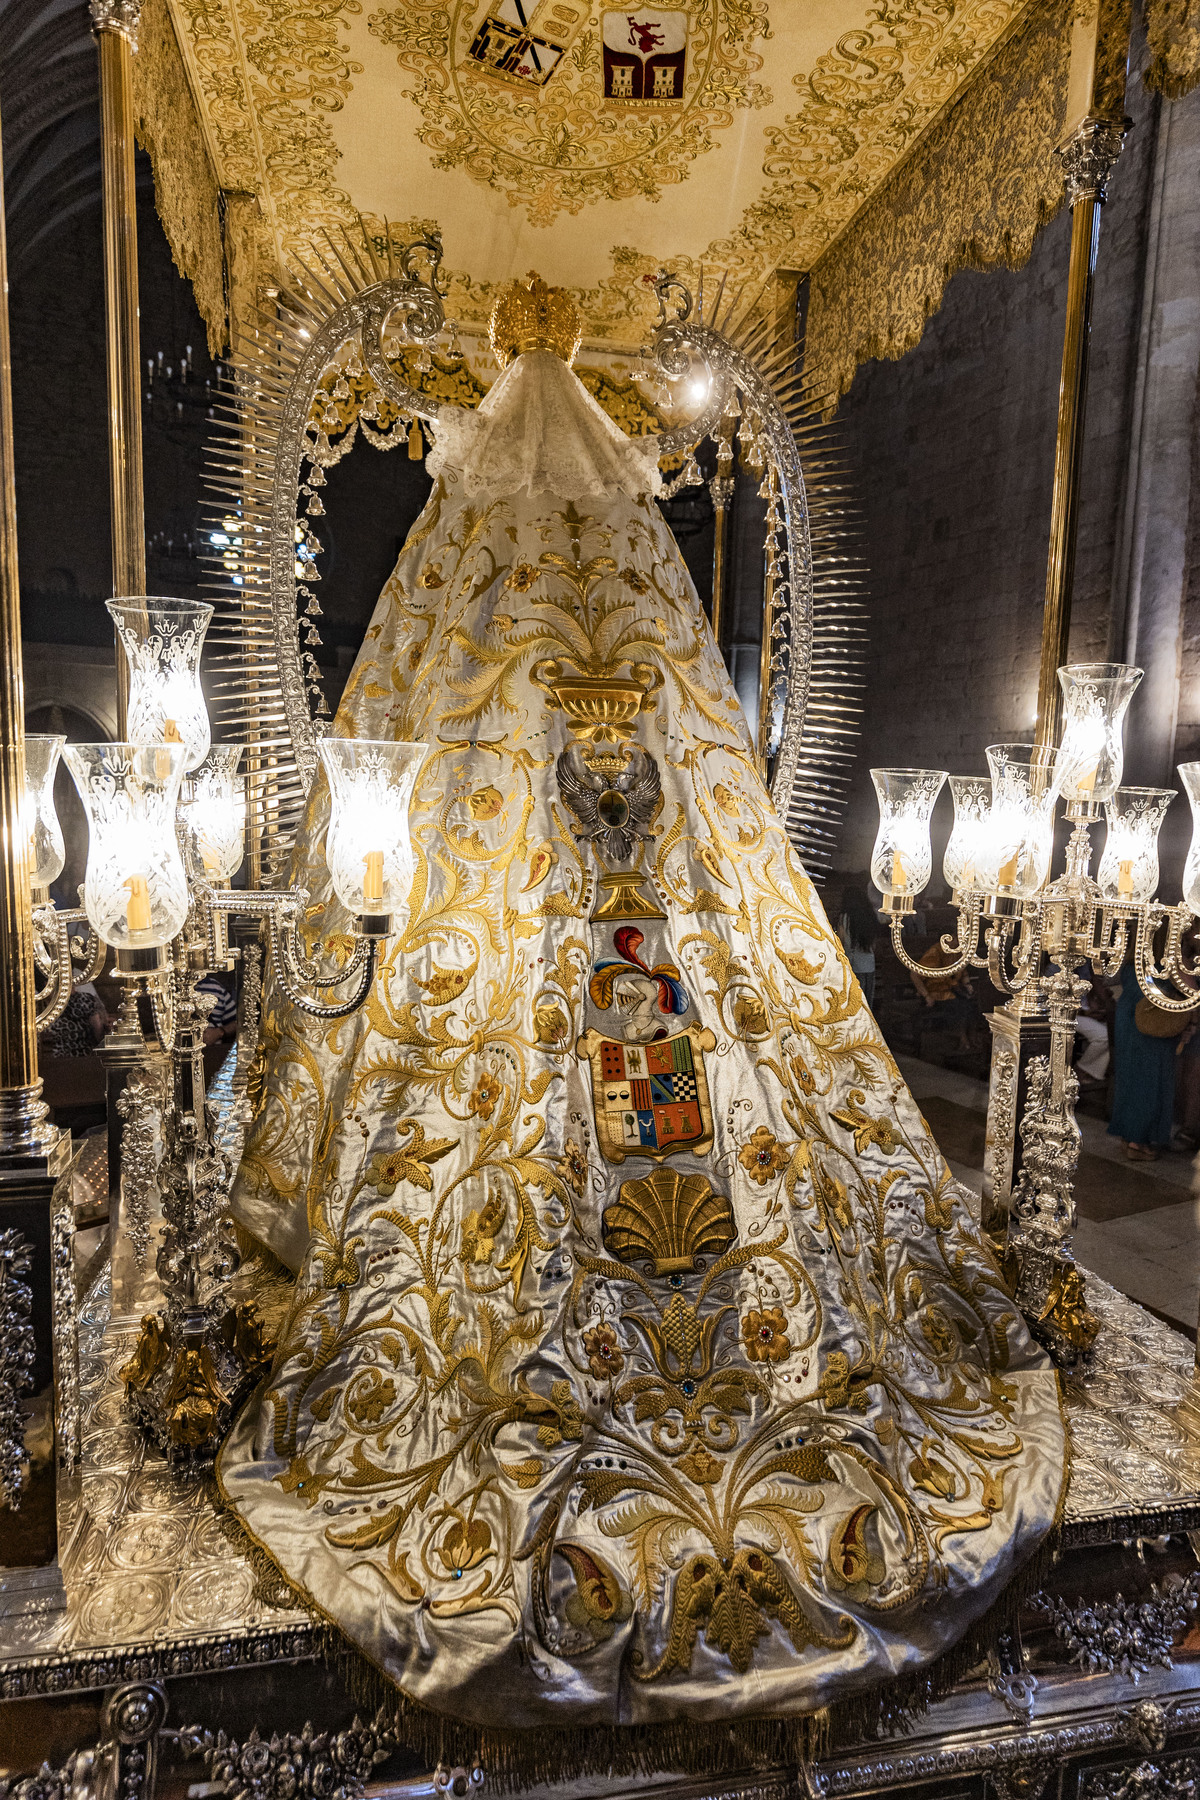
(877, 151)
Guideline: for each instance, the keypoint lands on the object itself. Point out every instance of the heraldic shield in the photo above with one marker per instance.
(650, 1099)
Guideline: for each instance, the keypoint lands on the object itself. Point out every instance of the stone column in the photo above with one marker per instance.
(115, 24)
(1150, 569)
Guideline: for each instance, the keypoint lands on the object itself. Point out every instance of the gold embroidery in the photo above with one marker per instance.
(668, 1221)
(650, 1099)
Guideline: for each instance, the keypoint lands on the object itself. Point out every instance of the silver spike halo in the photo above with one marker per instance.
(345, 288)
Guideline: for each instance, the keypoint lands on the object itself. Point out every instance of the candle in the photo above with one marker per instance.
(967, 878)
(1087, 783)
(899, 878)
(1007, 874)
(171, 733)
(1125, 877)
(137, 907)
(373, 879)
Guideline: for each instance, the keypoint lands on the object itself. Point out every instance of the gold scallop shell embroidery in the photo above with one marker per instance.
(668, 1221)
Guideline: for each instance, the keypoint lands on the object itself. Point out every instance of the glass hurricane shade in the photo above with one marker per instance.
(1129, 866)
(972, 796)
(902, 859)
(1018, 842)
(1096, 698)
(134, 889)
(368, 847)
(163, 640)
(47, 855)
(1189, 774)
(214, 807)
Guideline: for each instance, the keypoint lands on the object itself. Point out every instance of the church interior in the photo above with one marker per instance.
(599, 899)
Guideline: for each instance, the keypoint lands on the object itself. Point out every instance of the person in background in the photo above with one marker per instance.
(222, 1020)
(948, 997)
(1143, 1071)
(1187, 1137)
(1091, 1025)
(79, 1027)
(858, 927)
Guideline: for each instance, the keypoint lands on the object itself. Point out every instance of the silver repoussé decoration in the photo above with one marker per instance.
(813, 616)
(139, 1104)
(1089, 157)
(17, 1353)
(75, 1780)
(328, 1765)
(1174, 1780)
(117, 15)
(345, 293)
(1129, 1636)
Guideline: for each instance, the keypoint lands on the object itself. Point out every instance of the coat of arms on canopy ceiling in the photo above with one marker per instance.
(645, 56)
(525, 40)
(690, 66)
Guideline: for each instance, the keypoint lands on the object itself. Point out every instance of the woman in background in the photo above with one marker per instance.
(1143, 1071)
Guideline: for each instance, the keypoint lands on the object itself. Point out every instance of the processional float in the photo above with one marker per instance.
(160, 897)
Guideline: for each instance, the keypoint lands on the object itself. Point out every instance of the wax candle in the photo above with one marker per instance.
(1087, 783)
(137, 907)
(1125, 877)
(373, 879)
(1007, 873)
(899, 877)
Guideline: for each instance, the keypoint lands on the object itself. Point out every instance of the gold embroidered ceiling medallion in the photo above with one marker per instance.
(615, 114)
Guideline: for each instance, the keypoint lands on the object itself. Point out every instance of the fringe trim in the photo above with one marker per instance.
(874, 288)
(891, 1708)
(537, 1755)
(253, 1249)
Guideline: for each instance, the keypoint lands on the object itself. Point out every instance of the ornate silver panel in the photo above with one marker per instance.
(155, 1584)
(17, 1351)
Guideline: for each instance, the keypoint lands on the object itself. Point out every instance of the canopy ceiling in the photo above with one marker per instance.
(592, 142)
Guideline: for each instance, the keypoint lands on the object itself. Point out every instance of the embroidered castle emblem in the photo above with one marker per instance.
(650, 1099)
(645, 56)
(525, 40)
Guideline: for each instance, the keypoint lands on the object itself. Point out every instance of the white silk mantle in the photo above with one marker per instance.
(644, 1364)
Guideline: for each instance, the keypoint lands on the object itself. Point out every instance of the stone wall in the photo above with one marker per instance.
(953, 450)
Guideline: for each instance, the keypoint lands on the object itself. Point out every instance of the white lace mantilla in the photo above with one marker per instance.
(538, 432)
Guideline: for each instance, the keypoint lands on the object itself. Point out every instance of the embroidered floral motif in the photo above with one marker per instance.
(765, 1335)
(485, 1096)
(572, 1166)
(602, 1352)
(763, 1156)
(743, 1404)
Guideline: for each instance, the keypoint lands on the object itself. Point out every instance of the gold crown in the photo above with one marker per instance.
(528, 315)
